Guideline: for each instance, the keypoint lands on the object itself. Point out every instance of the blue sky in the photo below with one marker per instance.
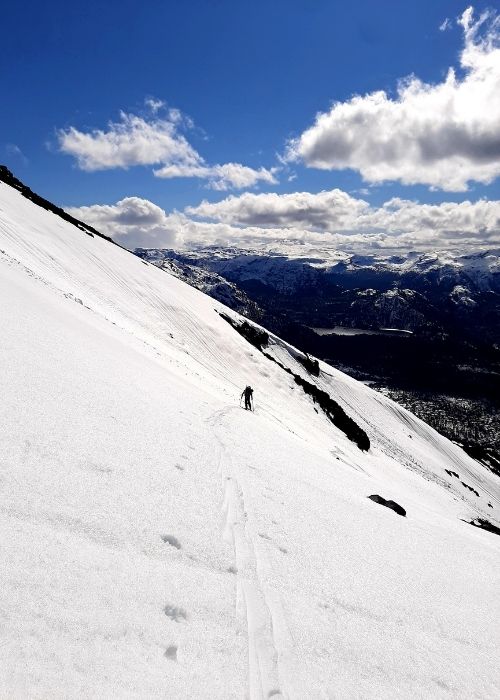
(250, 76)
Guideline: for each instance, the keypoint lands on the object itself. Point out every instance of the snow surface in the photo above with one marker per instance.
(160, 542)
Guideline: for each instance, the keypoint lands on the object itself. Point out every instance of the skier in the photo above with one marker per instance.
(248, 394)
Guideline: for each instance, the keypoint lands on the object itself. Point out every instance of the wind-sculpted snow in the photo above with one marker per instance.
(159, 541)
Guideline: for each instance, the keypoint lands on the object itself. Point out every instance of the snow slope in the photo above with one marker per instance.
(158, 541)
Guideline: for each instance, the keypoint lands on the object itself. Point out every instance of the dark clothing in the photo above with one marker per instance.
(248, 394)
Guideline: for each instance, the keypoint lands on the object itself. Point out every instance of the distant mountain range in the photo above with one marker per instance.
(437, 293)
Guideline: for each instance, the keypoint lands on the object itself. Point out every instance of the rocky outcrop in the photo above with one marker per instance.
(388, 504)
(485, 525)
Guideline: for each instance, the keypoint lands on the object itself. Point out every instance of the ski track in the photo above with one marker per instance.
(257, 607)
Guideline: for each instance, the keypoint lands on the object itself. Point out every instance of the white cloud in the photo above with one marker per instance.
(444, 135)
(154, 105)
(137, 140)
(319, 220)
(336, 212)
(133, 222)
(445, 25)
(131, 141)
(333, 209)
(221, 177)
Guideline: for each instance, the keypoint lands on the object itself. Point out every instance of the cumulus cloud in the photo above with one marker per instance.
(221, 177)
(157, 141)
(326, 219)
(131, 141)
(444, 135)
(332, 209)
(335, 212)
(133, 222)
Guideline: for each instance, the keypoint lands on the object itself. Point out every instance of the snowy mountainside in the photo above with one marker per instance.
(207, 282)
(159, 541)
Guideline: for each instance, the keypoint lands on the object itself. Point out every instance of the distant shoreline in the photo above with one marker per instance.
(344, 330)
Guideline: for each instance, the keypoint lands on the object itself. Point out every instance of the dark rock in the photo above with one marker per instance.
(311, 365)
(485, 525)
(256, 336)
(469, 487)
(334, 412)
(388, 504)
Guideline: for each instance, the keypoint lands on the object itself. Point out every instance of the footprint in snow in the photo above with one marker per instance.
(172, 541)
(174, 613)
(179, 467)
(171, 652)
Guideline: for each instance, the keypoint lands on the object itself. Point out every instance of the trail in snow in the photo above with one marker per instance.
(252, 604)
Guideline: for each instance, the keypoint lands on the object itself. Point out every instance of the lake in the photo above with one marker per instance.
(343, 330)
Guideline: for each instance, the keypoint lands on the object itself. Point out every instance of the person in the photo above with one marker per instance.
(248, 394)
